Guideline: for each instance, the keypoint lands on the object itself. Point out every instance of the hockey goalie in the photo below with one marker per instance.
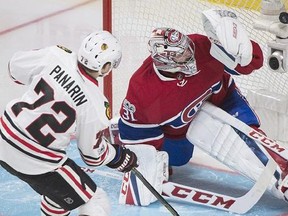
(184, 95)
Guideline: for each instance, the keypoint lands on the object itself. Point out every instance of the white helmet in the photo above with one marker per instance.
(172, 51)
(98, 49)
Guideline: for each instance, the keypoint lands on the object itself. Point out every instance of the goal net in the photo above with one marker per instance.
(133, 21)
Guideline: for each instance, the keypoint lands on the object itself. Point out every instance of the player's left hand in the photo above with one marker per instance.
(124, 159)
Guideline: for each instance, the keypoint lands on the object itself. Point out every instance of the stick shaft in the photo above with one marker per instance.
(154, 192)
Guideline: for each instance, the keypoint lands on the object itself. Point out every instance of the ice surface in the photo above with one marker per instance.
(17, 199)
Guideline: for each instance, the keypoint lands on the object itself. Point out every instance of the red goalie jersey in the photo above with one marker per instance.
(158, 107)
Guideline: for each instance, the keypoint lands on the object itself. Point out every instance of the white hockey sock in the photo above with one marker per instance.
(98, 205)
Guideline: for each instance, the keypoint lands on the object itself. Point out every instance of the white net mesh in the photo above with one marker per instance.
(133, 21)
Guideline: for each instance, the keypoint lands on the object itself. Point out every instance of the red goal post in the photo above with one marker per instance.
(107, 25)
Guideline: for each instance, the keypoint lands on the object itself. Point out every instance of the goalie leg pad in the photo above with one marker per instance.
(153, 165)
(222, 142)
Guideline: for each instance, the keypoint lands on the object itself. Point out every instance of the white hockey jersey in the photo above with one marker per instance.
(61, 101)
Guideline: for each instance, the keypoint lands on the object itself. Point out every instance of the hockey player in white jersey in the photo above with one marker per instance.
(62, 100)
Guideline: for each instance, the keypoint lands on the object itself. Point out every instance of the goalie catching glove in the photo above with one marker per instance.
(229, 41)
(124, 159)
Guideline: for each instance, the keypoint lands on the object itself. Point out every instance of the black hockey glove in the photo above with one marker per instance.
(124, 159)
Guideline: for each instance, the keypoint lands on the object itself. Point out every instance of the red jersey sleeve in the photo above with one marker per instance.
(256, 63)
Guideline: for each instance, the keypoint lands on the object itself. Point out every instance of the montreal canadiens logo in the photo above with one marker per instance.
(173, 37)
(190, 111)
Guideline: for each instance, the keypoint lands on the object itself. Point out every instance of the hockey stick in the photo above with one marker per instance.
(244, 128)
(239, 205)
(154, 192)
(102, 173)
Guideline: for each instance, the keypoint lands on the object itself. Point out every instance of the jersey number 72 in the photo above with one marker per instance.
(34, 129)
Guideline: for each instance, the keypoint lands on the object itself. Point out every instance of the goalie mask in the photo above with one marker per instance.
(98, 50)
(172, 51)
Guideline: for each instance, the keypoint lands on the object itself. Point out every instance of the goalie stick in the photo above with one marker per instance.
(239, 205)
(244, 128)
(154, 192)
